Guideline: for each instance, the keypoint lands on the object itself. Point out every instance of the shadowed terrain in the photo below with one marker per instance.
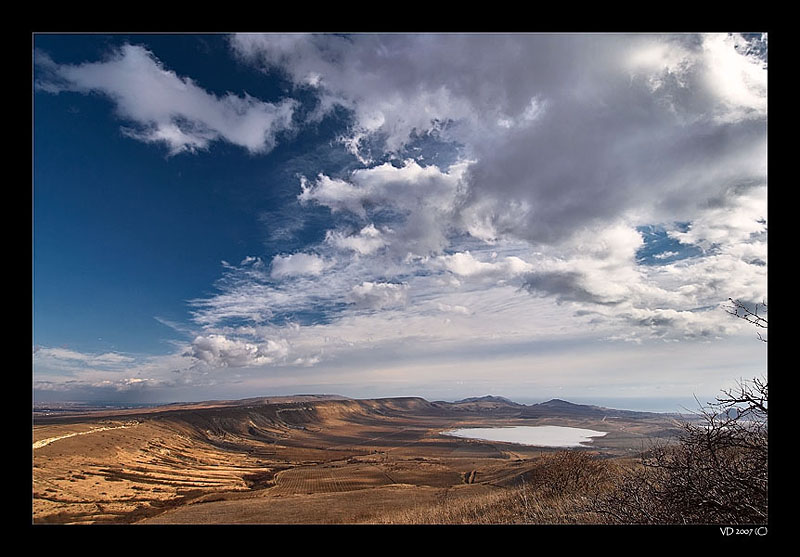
(303, 459)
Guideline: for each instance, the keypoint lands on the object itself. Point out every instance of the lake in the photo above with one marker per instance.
(538, 436)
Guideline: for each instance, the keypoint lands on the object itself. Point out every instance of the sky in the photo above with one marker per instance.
(532, 216)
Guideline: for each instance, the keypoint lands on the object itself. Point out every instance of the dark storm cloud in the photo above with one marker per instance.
(565, 286)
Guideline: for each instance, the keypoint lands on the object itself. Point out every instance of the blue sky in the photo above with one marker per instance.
(223, 216)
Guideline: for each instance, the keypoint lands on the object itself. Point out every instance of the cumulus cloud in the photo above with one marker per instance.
(406, 187)
(338, 195)
(367, 241)
(595, 265)
(218, 351)
(420, 201)
(464, 264)
(295, 264)
(722, 72)
(353, 71)
(167, 108)
(597, 272)
(573, 141)
(732, 220)
(583, 167)
(63, 370)
(566, 144)
(565, 130)
(378, 295)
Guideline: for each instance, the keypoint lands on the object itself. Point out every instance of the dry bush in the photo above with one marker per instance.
(560, 488)
(569, 472)
(557, 489)
(715, 474)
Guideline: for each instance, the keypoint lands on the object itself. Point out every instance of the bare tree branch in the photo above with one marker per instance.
(716, 473)
(755, 316)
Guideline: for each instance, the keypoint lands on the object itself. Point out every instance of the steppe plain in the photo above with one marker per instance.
(311, 459)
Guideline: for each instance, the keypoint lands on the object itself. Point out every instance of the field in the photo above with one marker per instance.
(300, 460)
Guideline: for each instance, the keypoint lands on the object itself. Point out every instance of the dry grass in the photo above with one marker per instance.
(558, 489)
(327, 462)
(504, 506)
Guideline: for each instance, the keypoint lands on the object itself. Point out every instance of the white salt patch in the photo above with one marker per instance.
(538, 436)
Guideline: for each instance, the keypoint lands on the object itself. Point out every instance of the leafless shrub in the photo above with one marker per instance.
(752, 313)
(555, 490)
(715, 474)
(568, 472)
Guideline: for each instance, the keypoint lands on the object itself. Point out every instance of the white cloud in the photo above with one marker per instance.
(423, 197)
(411, 186)
(107, 359)
(355, 72)
(59, 369)
(366, 242)
(337, 195)
(378, 295)
(465, 264)
(594, 265)
(219, 351)
(597, 273)
(447, 308)
(167, 108)
(665, 254)
(593, 127)
(738, 80)
(567, 144)
(296, 264)
(739, 219)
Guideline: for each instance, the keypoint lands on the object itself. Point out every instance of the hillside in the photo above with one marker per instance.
(487, 398)
(336, 459)
(558, 407)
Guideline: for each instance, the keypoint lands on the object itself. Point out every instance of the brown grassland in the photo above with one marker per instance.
(320, 460)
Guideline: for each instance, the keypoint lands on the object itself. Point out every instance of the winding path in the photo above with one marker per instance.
(45, 442)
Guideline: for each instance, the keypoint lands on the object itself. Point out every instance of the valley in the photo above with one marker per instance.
(310, 459)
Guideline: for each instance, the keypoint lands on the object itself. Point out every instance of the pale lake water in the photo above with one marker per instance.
(537, 436)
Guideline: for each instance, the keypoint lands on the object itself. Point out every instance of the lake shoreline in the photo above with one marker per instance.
(536, 436)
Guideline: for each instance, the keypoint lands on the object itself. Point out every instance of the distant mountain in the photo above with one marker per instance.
(488, 405)
(558, 407)
(487, 398)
